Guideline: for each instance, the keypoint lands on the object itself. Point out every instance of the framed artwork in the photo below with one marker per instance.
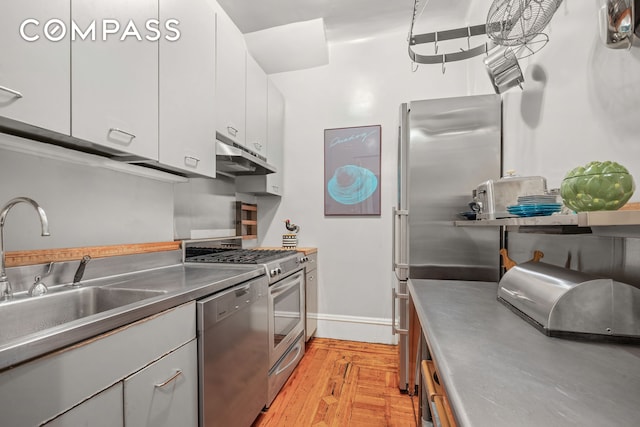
(352, 171)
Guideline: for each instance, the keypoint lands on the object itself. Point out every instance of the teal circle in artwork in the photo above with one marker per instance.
(351, 184)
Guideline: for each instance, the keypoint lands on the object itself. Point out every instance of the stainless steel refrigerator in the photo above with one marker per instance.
(446, 148)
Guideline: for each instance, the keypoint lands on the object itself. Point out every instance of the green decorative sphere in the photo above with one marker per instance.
(597, 186)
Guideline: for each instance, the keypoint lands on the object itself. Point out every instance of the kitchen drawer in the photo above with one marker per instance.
(164, 393)
(62, 379)
(440, 409)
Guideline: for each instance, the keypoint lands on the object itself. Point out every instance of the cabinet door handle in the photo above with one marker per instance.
(191, 161)
(15, 93)
(173, 378)
(232, 131)
(129, 134)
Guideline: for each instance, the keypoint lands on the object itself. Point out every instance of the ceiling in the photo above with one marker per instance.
(344, 20)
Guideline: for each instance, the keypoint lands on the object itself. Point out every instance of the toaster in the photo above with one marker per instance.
(492, 197)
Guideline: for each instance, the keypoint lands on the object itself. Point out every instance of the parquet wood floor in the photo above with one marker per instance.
(340, 384)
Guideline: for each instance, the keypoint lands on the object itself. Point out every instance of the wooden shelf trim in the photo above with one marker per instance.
(246, 220)
(20, 258)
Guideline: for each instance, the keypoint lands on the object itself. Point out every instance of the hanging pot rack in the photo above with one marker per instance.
(458, 33)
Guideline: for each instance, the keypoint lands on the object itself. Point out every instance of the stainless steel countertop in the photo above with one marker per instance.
(182, 283)
(500, 371)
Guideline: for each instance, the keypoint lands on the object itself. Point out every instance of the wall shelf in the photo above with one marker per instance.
(246, 220)
(619, 222)
(550, 220)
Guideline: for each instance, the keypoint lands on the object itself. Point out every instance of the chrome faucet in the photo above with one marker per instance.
(5, 285)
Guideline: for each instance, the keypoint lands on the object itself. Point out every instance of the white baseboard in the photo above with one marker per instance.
(353, 328)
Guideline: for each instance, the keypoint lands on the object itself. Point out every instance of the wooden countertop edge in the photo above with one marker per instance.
(305, 250)
(20, 258)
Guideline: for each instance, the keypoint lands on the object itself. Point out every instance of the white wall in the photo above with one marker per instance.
(580, 101)
(578, 105)
(364, 84)
(86, 205)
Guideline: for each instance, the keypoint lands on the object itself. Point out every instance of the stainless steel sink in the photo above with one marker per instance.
(25, 316)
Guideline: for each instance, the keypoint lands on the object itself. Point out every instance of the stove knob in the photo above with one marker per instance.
(273, 272)
(279, 270)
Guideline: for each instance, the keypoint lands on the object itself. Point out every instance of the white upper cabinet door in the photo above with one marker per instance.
(114, 82)
(187, 88)
(34, 75)
(256, 107)
(275, 138)
(230, 79)
(271, 184)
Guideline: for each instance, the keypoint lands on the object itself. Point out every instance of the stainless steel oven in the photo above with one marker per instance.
(286, 314)
(286, 329)
(286, 300)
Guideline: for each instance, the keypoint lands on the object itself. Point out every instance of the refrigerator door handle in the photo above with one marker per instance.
(399, 218)
(396, 296)
(393, 238)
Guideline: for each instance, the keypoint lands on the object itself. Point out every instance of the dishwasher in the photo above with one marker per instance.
(233, 355)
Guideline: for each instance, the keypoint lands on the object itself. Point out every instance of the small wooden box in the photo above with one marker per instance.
(246, 220)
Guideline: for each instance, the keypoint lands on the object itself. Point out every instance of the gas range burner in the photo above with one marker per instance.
(235, 256)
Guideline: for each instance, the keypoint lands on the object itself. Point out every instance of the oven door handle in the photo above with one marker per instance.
(293, 359)
(281, 288)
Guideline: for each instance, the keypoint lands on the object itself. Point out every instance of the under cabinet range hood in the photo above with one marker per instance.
(566, 303)
(234, 160)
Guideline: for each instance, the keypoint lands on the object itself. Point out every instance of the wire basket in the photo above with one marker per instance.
(518, 22)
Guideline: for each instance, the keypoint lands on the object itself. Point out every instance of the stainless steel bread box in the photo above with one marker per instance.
(493, 196)
(570, 304)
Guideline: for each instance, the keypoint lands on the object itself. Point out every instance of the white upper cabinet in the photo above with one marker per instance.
(114, 82)
(275, 138)
(271, 184)
(34, 75)
(230, 79)
(187, 89)
(256, 107)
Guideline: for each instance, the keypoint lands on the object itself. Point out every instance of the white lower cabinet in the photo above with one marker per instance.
(59, 387)
(164, 393)
(311, 295)
(103, 410)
